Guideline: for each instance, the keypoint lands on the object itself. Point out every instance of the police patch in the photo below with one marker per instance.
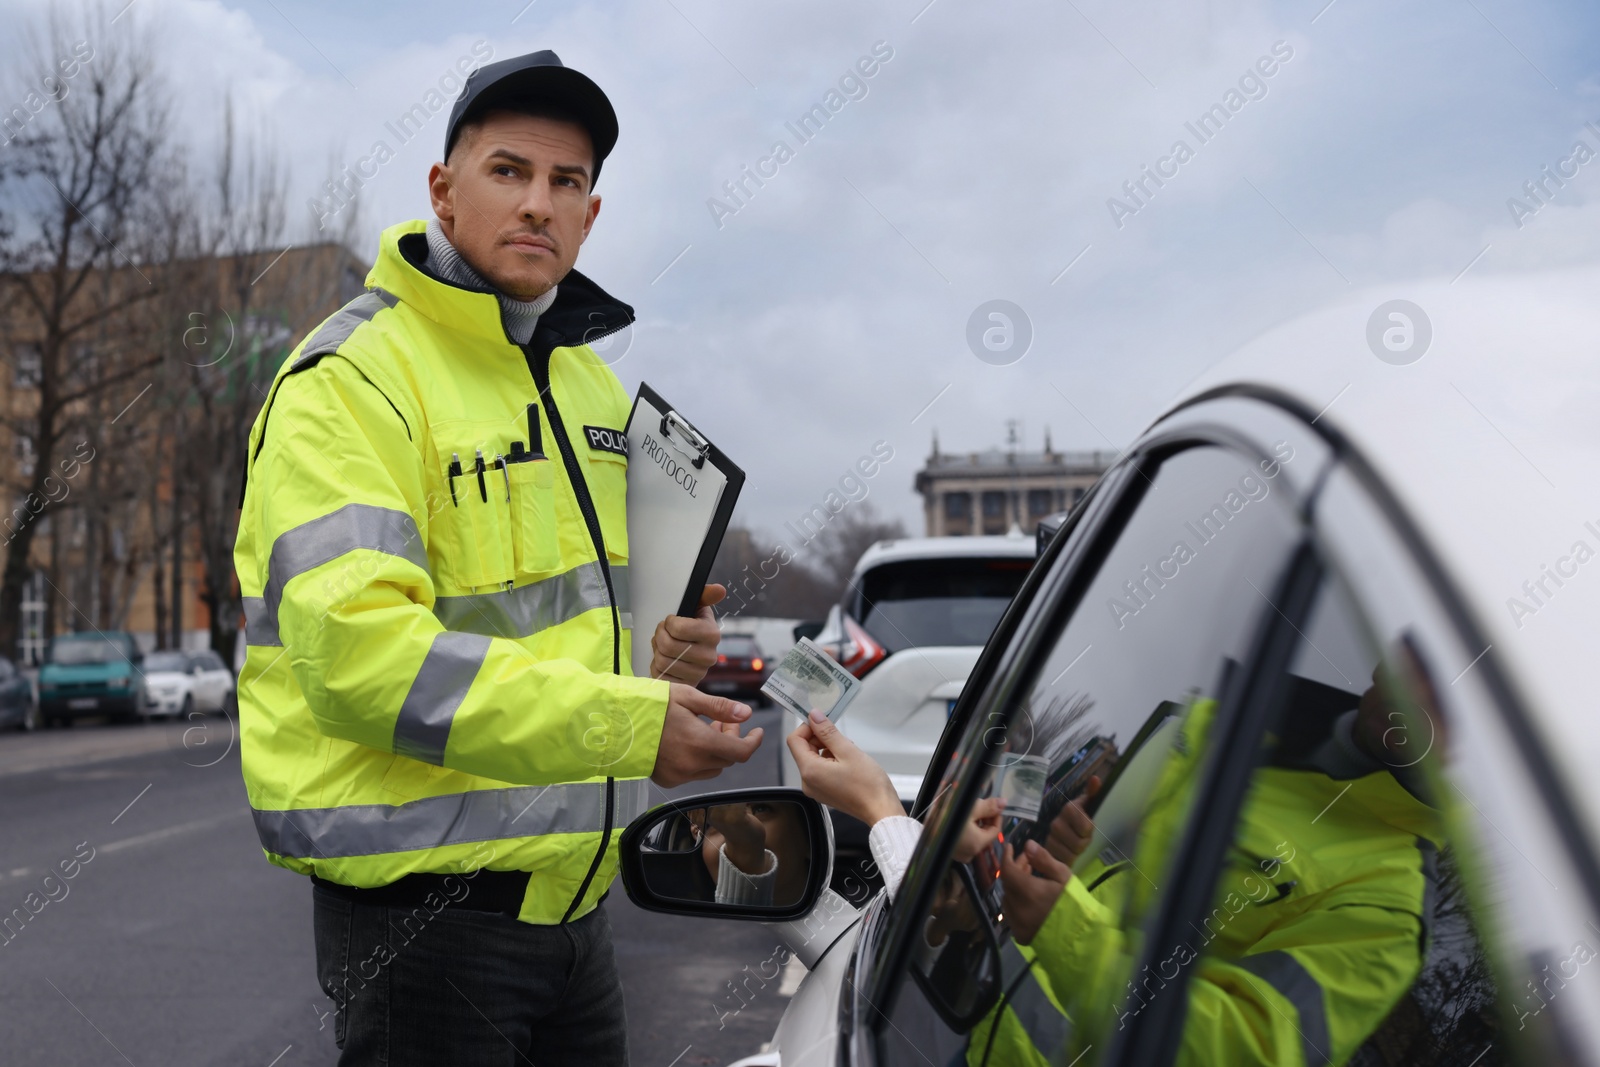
(603, 439)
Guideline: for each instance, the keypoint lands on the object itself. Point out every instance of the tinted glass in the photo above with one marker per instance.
(69, 651)
(917, 603)
(209, 661)
(176, 662)
(1509, 974)
(1100, 759)
(1339, 917)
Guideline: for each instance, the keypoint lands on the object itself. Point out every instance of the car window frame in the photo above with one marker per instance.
(857, 1037)
(1054, 595)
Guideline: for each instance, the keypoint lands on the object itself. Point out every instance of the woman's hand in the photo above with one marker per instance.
(1033, 881)
(744, 837)
(837, 773)
(983, 827)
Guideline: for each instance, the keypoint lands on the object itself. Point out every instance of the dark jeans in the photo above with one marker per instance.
(459, 986)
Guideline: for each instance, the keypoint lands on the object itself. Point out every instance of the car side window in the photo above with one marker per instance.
(1025, 959)
(1336, 931)
(1504, 968)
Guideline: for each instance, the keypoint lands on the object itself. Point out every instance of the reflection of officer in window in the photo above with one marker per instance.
(1322, 916)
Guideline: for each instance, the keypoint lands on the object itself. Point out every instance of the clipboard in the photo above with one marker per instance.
(681, 493)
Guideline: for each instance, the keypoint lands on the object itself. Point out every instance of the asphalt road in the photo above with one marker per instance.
(174, 943)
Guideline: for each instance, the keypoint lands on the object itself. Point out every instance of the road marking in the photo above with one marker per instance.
(171, 831)
(131, 803)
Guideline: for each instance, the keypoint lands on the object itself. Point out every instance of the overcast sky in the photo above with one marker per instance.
(830, 308)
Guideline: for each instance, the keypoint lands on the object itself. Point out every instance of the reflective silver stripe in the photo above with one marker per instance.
(259, 627)
(1048, 1030)
(326, 538)
(622, 586)
(433, 822)
(1295, 984)
(423, 726)
(342, 323)
(527, 609)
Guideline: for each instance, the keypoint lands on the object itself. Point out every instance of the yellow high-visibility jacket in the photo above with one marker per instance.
(437, 673)
(1319, 926)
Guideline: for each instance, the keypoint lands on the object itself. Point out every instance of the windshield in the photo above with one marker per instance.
(71, 651)
(166, 661)
(921, 602)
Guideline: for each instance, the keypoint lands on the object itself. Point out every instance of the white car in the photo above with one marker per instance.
(182, 683)
(1317, 660)
(913, 619)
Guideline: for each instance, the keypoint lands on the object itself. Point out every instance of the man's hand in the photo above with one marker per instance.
(682, 649)
(1034, 882)
(692, 750)
(837, 773)
(1072, 830)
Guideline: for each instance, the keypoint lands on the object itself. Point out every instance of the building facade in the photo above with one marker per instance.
(160, 400)
(970, 493)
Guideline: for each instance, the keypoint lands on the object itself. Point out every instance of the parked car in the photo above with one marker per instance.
(187, 683)
(17, 707)
(912, 621)
(1331, 668)
(92, 673)
(215, 687)
(740, 668)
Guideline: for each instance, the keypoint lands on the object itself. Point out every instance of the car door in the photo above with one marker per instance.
(1132, 667)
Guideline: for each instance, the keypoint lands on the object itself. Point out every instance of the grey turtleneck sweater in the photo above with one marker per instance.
(519, 316)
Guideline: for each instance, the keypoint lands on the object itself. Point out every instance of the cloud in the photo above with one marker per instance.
(832, 307)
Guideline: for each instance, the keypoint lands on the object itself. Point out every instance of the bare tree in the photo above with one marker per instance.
(840, 543)
(83, 167)
(231, 346)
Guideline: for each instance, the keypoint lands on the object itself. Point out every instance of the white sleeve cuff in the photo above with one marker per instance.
(892, 842)
(736, 887)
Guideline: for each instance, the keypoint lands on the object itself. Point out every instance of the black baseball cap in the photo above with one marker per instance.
(537, 78)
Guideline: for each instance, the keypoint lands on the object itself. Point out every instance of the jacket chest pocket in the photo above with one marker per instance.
(535, 547)
(498, 519)
(606, 470)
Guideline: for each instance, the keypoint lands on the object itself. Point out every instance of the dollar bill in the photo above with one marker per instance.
(809, 679)
(1021, 784)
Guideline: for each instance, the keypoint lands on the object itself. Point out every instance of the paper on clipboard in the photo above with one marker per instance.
(681, 492)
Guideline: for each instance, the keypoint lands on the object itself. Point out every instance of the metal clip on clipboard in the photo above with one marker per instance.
(699, 444)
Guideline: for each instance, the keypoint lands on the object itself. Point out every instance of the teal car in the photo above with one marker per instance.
(95, 673)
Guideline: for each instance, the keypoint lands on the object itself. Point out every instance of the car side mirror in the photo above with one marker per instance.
(761, 854)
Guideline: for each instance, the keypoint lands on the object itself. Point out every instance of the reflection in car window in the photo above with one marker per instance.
(1107, 743)
(165, 661)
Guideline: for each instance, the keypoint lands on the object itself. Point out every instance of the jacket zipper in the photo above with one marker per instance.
(539, 364)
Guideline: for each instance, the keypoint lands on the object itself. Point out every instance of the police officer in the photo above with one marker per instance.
(438, 720)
